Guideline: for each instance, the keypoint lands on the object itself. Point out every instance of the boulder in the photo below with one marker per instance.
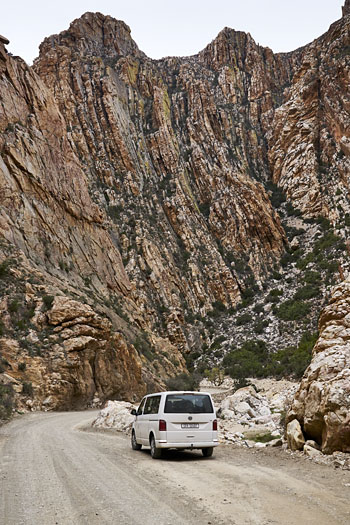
(116, 415)
(311, 451)
(295, 438)
(246, 405)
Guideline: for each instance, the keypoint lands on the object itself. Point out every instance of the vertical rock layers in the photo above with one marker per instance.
(130, 188)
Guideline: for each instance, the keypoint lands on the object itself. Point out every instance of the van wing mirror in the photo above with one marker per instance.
(133, 412)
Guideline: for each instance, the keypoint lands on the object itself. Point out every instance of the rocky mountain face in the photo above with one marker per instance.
(143, 201)
(322, 403)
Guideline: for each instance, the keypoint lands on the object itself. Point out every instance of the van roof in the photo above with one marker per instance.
(178, 392)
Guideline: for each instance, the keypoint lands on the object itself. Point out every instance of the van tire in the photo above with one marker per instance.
(207, 452)
(156, 453)
(134, 443)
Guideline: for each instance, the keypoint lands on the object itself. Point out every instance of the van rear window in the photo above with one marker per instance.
(188, 404)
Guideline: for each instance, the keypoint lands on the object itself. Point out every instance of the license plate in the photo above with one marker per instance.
(189, 425)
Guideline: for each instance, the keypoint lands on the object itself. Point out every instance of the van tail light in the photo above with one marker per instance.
(162, 425)
(215, 424)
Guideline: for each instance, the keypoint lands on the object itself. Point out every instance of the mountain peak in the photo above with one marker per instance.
(95, 34)
(346, 8)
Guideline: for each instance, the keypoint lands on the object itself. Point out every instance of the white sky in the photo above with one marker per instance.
(173, 27)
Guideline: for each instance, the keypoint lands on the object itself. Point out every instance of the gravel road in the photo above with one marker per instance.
(55, 469)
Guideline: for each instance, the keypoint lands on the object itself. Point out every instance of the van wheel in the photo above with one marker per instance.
(134, 443)
(207, 452)
(156, 453)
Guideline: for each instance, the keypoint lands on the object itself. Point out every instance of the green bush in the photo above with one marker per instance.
(248, 361)
(324, 223)
(254, 360)
(184, 382)
(260, 326)
(48, 300)
(291, 211)
(274, 295)
(4, 267)
(22, 366)
(329, 240)
(277, 197)
(276, 275)
(293, 310)
(204, 208)
(6, 401)
(293, 361)
(311, 277)
(218, 309)
(27, 389)
(217, 342)
(258, 308)
(302, 263)
(243, 319)
(144, 347)
(306, 292)
(13, 306)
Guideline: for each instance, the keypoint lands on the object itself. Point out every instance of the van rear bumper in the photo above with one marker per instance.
(161, 443)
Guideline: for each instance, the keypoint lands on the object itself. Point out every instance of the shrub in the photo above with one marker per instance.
(22, 366)
(258, 308)
(184, 382)
(218, 308)
(4, 267)
(306, 292)
(204, 208)
(114, 212)
(243, 319)
(274, 295)
(329, 240)
(276, 275)
(260, 326)
(323, 222)
(248, 361)
(48, 300)
(291, 211)
(27, 389)
(264, 437)
(277, 197)
(13, 306)
(217, 342)
(292, 310)
(144, 347)
(293, 361)
(312, 277)
(302, 263)
(216, 375)
(6, 401)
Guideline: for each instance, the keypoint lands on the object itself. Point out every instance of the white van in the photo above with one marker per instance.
(175, 420)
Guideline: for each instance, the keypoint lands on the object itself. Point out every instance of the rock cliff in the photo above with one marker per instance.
(309, 144)
(322, 403)
(141, 197)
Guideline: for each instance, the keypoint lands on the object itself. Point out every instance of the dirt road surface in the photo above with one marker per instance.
(54, 469)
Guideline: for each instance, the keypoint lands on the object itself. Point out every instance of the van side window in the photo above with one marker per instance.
(152, 405)
(140, 409)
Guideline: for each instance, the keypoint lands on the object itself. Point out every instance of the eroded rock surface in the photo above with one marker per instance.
(136, 193)
(322, 402)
